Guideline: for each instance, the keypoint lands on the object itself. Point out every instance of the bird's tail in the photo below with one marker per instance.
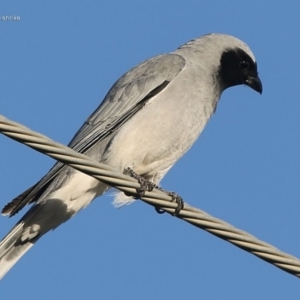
(12, 249)
(46, 215)
(34, 224)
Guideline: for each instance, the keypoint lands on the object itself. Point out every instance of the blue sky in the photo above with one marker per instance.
(58, 62)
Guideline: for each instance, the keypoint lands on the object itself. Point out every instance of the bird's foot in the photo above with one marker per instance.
(180, 203)
(175, 197)
(146, 185)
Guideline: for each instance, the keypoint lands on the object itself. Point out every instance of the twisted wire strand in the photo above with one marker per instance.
(155, 198)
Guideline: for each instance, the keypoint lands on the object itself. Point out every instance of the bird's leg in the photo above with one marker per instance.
(147, 185)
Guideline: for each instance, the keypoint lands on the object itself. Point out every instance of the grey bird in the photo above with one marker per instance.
(149, 118)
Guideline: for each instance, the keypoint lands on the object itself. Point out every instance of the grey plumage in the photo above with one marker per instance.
(149, 118)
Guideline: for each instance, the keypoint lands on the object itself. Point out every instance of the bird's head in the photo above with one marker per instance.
(229, 59)
(237, 64)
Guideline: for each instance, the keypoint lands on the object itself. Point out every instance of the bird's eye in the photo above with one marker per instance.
(244, 65)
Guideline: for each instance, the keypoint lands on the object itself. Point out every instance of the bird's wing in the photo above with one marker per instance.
(126, 97)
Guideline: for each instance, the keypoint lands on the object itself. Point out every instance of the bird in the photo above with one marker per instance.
(147, 121)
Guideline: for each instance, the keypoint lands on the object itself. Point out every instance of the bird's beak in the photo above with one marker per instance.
(255, 83)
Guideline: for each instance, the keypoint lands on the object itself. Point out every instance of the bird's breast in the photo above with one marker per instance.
(160, 133)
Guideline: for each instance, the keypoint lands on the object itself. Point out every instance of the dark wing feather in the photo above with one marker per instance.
(127, 96)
